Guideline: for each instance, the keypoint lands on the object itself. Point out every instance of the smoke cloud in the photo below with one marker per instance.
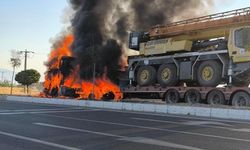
(100, 28)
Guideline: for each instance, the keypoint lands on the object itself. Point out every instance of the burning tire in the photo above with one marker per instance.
(108, 96)
(167, 75)
(146, 75)
(91, 96)
(54, 92)
(209, 73)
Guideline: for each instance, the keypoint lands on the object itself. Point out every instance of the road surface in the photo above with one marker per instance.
(25, 126)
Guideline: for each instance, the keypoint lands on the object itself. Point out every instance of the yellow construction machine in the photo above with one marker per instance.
(204, 51)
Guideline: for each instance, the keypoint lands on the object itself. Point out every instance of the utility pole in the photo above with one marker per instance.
(25, 57)
(25, 61)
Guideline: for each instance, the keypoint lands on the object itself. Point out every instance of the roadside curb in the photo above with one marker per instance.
(223, 113)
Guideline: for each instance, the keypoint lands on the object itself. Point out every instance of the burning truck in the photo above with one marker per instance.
(63, 80)
(87, 61)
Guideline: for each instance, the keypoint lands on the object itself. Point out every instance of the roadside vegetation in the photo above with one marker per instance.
(5, 89)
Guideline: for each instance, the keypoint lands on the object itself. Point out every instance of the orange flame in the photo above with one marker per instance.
(53, 80)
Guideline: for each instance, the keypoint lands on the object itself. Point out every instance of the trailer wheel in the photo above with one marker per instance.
(193, 96)
(241, 99)
(146, 75)
(215, 97)
(167, 75)
(209, 73)
(172, 96)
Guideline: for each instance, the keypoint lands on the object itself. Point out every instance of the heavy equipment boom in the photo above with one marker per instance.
(217, 22)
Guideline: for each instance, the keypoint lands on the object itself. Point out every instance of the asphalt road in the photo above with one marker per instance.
(25, 126)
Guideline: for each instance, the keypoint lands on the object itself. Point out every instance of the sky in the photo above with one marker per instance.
(31, 24)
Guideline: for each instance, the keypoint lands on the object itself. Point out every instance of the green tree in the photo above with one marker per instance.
(28, 77)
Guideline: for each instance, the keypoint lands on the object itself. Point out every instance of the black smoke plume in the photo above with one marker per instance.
(101, 27)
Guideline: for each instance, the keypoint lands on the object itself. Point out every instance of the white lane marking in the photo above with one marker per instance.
(38, 141)
(179, 116)
(241, 130)
(194, 123)
(206, 123)
(78, 130)
(190, 123)
(45, 112)
(28, 110)
(124, 138)
(4, 110)
(159, 143)
(153, 128)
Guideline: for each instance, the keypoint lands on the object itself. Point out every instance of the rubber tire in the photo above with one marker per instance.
(190, 93)
(54, 92)
(152, 76)
(216, 79)
(237, 96)
(216, 94)
(91, 96)
(173, 80)
(168, 96)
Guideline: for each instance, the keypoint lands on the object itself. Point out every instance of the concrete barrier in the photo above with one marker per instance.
(161, 108)
(117, 106)
(149, 107)
(203, 112)
(219, 113)
(127, 106)
(138, 107)
(70, 102)
(225, 113)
